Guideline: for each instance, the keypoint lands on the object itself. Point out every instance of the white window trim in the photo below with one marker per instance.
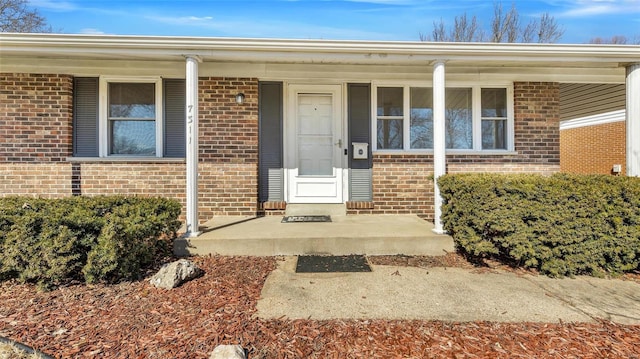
(476, 113)
(103, 110)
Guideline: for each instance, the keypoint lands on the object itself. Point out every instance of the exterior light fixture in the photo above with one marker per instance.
(240, 98)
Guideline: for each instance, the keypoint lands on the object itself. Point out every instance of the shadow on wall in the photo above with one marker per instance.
(76, 179)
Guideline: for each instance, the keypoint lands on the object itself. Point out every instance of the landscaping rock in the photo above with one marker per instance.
(228, 352)
(174, 274)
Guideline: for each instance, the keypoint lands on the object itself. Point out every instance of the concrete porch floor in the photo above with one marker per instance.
(354, 234)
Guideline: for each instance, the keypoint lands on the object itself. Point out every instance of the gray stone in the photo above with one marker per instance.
(228, 352)
(174, 274)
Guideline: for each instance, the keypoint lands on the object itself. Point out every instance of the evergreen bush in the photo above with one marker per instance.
(561, 225)
(55, 241)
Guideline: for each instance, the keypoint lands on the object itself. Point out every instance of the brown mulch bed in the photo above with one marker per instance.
(135, 320)
(449, 259)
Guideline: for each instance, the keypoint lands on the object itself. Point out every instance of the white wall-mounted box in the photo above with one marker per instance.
(360, 150)
(617, 169)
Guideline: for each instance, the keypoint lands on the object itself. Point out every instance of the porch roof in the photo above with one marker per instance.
(171, 48)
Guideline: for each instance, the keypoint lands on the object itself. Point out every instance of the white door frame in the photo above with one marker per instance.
(290, 146)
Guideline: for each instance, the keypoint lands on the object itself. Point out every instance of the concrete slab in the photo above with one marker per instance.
(614, 300)
(450, 294)
(361, 234)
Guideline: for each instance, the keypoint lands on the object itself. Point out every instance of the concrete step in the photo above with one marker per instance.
(362, 234)
(313, 209)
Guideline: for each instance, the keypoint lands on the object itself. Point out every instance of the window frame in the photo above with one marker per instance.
(103, 110)
(402, 118)
(495, 119)
(476, 109)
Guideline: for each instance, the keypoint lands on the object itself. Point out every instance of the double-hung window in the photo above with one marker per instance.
(390, 117)
(494, 118)
(129, 117)
(132, 117)
(477, 118)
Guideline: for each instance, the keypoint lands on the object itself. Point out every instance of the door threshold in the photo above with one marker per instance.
(316, 209)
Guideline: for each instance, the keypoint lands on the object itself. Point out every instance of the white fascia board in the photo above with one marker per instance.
(291, 50)
(593, 120)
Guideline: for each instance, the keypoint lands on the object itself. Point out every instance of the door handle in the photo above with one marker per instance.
(339, 143)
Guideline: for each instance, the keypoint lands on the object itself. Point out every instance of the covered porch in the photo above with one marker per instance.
(362, 234)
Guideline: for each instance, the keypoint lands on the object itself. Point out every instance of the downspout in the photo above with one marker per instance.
(191, 111)
(633, 120)
(439, 144)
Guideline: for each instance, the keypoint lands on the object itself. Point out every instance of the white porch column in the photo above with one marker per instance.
(192, 145)
(439, 144)
(633, 120)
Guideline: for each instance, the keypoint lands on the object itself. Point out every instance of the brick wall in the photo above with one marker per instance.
(36, 126)
(37, 179)
(228, 131)
(593, 149)
(403, 183)
(36, 120)
(35, 110)
(228, 146)
(537, 122)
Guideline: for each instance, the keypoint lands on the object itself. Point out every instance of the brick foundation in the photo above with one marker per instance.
(402, 184)
(48, 179)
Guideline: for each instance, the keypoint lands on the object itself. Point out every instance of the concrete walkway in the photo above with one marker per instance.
(450, 294)
(361, 234)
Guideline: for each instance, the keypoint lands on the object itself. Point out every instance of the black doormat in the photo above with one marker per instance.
(331, 264)
(303, 219)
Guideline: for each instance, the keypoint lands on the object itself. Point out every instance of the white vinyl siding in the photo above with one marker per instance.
(584, 100)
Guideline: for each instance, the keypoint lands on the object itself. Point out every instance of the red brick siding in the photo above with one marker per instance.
(35, 117)
(36, 127)
(593, 149)
(228, 169)
(537, 122)
(131, 178)
(228, 181)
(228, 189)
(38, 179)
(403, 183)
(536, 137)
(228, 131)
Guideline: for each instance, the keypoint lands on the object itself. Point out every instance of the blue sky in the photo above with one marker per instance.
(325, 19)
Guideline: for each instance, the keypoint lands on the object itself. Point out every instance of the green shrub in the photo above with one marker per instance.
(561, 225)
(55, 241)
(130, 241)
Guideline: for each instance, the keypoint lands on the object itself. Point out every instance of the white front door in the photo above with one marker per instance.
(314, 144)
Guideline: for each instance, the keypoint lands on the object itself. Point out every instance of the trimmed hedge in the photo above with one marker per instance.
(93, 239)
(561, 225)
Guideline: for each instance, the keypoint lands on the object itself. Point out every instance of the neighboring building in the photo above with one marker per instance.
(593, 129)
(361, 123)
